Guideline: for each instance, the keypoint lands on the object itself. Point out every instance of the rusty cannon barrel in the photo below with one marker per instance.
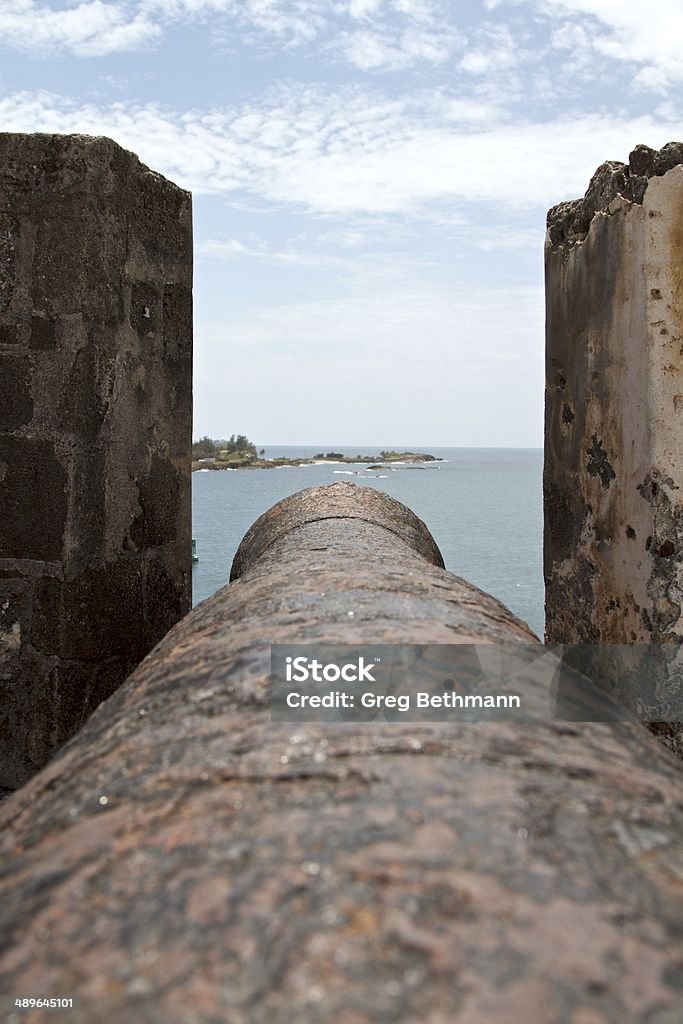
(186, 859)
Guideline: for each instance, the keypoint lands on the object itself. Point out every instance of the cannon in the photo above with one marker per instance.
(185, 859)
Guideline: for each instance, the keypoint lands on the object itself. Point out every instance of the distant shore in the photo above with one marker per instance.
(244, 460)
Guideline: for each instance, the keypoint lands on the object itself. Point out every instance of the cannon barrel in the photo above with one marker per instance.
(184, 859)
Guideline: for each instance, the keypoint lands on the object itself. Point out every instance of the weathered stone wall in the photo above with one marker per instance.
(95, 430)
(613, 548)
(185, 860)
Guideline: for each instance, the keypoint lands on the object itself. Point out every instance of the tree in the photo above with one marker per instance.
(203, 448)
(206, 446)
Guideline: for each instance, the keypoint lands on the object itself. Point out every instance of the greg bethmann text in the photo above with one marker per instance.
(365, 671)
(337, 684)
(401, 702)
(466, 683)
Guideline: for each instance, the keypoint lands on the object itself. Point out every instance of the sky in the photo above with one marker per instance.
(370, 180)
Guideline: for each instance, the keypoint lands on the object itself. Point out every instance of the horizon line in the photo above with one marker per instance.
(384, 447)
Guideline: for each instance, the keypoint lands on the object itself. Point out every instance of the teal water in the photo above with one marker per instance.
(482, 505)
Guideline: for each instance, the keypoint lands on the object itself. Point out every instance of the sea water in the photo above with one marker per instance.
(482, 505)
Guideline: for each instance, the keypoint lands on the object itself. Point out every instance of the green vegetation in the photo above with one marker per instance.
(203, 448)
(237, 449)
(240, 453)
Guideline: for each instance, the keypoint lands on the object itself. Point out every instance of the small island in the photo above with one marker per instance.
(240, 453)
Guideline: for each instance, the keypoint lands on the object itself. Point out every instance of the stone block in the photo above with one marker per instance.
(16, 401)
(33, 498)
(108, 597)
(42, 333)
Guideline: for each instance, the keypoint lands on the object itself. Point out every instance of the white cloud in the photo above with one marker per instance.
(360, 9)
(471, 111)
(174, 9)
(215, 249)
(397, 34)
(233, 248)
(652, 79)
(394, 33)
(570, 36)
(419, 10)
(496, 51)
(370, 34)
(369, 50)
(295, 21)
(254, 22)
(347, 238)
(90, 29)
(626, 31)
(351, 152)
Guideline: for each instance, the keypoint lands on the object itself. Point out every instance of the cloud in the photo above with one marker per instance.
(372, 35)
(394, 33)
(370, 50)
(417, 32)
(351, 152)
(360, 9)
(623, 32)
(496, 51)
(426, 11)
(90, 29)
(293, 22)
(233, 248)
(214, 249)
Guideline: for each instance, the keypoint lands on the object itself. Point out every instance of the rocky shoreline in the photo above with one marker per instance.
(244, 460)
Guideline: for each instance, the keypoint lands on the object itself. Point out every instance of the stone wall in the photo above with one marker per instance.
(95, 430)
(614, 406)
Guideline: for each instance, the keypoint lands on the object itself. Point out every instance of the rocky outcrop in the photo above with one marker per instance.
(568, 223)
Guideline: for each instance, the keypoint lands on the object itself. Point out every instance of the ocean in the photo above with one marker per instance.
(483, 506)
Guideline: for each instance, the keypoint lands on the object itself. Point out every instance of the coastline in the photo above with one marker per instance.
(370, 461)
